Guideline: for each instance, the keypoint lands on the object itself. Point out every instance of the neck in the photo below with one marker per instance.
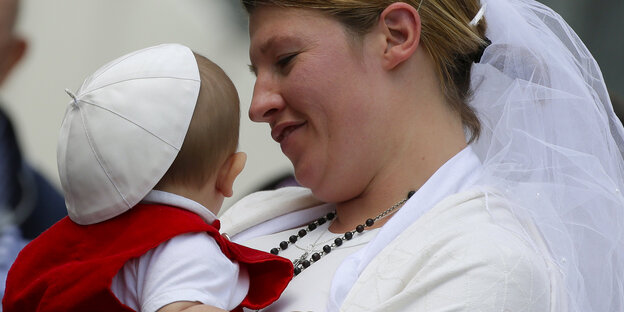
(409, 167)
(425, 133)
(385, 191)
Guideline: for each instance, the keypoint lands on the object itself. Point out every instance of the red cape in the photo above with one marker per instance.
(70, 267)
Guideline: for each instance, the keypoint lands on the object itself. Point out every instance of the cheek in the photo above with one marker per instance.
(338, 160)
(358, 150)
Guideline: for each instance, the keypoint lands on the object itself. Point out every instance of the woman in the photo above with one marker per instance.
(510, 153)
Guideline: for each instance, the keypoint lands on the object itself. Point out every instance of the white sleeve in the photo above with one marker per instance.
(188, 267)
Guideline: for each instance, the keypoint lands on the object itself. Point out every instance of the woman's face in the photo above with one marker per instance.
(316, 88)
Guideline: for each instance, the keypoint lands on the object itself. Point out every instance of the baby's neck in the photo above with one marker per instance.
(207, 198)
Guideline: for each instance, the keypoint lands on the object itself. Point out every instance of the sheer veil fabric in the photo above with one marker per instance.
(553, 145)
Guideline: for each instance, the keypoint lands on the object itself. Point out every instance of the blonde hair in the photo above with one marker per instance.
(446, 35)
(213, 132)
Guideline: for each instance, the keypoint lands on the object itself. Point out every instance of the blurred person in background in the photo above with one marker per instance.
(28, 203)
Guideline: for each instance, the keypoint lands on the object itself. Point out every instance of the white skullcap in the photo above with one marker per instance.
(124, 128)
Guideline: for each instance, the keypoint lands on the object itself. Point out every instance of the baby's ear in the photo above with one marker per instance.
(228, 172)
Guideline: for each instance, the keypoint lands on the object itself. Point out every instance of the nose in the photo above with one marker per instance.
(266, 101)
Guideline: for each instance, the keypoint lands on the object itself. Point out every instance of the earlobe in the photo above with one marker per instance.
(228, 172)
(400, 23)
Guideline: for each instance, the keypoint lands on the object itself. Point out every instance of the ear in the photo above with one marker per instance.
(228, 172)
(14, 53)
(400, 24)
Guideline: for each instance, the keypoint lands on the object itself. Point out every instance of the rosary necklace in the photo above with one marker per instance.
(303, 262)
(320, 241)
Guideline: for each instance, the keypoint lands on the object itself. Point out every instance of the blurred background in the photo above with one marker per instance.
(69, 39)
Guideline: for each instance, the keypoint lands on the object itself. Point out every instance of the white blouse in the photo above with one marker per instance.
(309, 290)
(273, 221)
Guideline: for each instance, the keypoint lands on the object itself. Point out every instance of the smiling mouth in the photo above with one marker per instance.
(286, 131)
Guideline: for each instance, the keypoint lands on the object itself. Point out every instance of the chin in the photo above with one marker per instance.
(329, 192)
(327, 189)
(306, 178)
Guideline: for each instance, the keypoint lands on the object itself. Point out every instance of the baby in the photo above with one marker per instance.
(146, 155)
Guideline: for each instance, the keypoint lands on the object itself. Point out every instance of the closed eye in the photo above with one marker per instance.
(253, 70)
(284, 61)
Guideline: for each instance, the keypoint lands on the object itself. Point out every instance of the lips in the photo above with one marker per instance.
(284, 129)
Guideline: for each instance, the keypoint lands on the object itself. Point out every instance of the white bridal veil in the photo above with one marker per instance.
(552, 143)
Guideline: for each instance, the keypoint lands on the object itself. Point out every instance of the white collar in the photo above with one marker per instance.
(162, 197)
(456, 175)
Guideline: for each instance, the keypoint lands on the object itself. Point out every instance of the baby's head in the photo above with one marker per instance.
(161, 117)
(207, 164)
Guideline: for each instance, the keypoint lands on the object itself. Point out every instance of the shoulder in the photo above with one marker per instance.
(192, 251)
(469, 252)
(201, 244)
(262, 206)
(473, 231)
(186, 267)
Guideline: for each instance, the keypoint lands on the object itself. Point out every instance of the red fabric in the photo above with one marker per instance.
(70, 267)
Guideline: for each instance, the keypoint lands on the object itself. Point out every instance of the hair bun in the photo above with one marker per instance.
(476, 56)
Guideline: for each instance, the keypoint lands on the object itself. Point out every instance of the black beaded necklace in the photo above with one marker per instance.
(303, 262)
